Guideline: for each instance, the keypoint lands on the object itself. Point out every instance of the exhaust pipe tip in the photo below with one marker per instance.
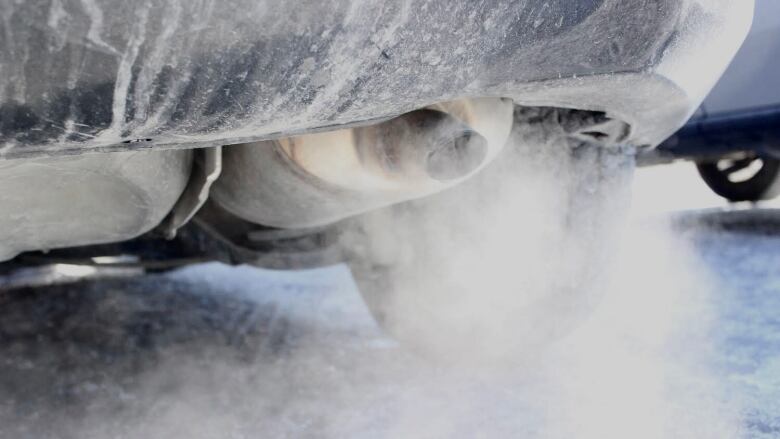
(317, 179)
(431, 141)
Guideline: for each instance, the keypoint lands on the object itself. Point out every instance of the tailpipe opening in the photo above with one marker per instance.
(441, 145)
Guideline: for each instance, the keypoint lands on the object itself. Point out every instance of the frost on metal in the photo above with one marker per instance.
(116, 74)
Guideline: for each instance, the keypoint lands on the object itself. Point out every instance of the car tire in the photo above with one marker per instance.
(763, 184)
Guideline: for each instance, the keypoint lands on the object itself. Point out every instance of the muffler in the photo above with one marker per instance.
(318, 179)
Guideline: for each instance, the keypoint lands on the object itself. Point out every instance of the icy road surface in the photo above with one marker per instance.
(686, 345)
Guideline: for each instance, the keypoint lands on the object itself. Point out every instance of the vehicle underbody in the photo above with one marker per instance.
(152, 135)
(155, 98)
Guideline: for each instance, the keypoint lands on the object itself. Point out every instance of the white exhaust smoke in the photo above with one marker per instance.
(218, 352)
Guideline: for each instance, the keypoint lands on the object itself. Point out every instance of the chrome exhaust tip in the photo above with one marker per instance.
(430, 140)
(316, 179)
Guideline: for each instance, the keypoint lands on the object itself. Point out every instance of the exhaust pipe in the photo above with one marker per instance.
(318, 179)
(431, 142)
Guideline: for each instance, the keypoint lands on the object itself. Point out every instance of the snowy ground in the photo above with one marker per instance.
(686, 344)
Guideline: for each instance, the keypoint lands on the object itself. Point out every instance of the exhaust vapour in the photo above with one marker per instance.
(533, 314)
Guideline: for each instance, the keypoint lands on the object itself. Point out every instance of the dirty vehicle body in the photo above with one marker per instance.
(156, 134)
(734, 137)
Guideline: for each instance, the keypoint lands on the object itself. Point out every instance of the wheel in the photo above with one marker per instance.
(751, 178)
(498, 267)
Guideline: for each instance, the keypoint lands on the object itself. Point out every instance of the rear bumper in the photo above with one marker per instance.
(116, 75)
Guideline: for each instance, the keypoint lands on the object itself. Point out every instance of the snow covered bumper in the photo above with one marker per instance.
(112, 75)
